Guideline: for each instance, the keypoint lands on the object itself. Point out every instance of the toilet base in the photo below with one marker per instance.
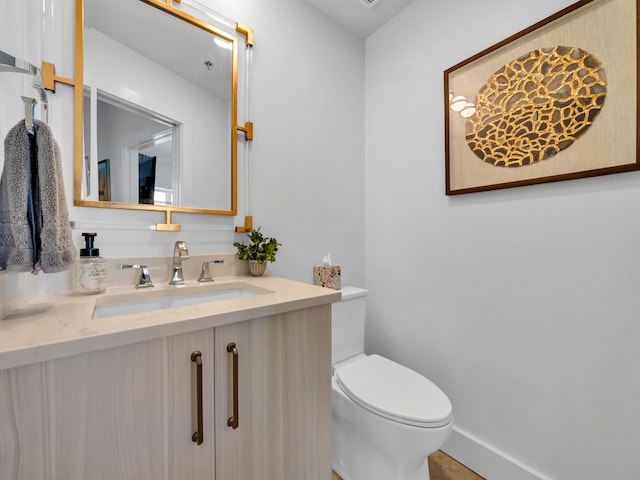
(370, 447)
(421, 473)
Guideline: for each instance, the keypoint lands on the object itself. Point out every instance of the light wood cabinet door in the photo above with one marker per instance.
(189, 460)
(284, 386)
(127, 413)
(23, 423)
(93, 416)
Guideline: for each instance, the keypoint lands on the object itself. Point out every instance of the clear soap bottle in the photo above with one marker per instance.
(91, 269)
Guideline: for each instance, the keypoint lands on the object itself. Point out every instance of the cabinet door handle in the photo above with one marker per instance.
(198, 436)
(233, 420)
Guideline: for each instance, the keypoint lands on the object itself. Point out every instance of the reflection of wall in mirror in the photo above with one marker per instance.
(206, 171)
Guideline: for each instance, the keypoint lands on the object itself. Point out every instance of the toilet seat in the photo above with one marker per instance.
(393, 391)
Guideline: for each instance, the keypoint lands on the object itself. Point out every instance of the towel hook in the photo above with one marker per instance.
(29, 112)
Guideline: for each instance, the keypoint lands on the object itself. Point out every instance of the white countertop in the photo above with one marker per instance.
(61, 325)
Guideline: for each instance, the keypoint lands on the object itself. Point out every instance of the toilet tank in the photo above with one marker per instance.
(347, 324)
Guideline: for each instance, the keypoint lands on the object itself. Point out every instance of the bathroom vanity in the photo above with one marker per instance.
(231, 389)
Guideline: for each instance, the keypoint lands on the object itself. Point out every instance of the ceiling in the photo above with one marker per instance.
(164, 40)
(362, 17)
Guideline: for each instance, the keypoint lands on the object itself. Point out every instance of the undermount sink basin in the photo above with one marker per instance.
(140, 301)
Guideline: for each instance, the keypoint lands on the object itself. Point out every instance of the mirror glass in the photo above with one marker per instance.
(159, 110)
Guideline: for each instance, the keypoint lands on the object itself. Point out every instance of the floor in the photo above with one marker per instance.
(443, 467)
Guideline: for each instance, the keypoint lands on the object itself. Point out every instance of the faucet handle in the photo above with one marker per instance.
(205, 273)
(145, 276)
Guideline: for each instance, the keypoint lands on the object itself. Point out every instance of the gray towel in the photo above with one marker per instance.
(34, 221)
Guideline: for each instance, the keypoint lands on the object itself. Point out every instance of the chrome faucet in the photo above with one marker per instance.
(180, 253)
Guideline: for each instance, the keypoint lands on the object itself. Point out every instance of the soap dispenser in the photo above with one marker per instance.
(91, 269)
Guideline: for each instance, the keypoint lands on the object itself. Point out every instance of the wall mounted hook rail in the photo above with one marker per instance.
(11, 64)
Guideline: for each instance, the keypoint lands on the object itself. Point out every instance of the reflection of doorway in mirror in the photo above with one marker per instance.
(104, 180)
(122, 132)
(146, 179)
(160, 147)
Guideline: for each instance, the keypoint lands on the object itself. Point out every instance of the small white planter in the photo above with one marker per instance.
(257, 269)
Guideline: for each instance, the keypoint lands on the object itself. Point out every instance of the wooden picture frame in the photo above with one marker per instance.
(518, 133)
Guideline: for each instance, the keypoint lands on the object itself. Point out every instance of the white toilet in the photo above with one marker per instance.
(386, 418)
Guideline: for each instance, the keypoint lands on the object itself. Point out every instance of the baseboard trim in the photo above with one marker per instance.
(486, 460)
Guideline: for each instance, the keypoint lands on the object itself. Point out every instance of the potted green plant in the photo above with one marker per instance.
(260, 250)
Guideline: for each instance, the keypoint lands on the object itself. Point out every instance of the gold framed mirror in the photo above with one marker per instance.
(156, 118)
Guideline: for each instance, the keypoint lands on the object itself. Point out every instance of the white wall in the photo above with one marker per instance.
(22, 43)
(308, 109)
(307, 154)
(520, 304)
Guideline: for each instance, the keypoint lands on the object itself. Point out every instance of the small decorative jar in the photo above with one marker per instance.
(257, 269)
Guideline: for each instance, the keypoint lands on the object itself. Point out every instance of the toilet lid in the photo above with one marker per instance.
(394, 391)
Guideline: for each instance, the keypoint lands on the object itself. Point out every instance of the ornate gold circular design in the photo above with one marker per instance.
(536, 106)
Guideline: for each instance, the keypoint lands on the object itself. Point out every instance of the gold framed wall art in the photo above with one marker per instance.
(556, 101)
